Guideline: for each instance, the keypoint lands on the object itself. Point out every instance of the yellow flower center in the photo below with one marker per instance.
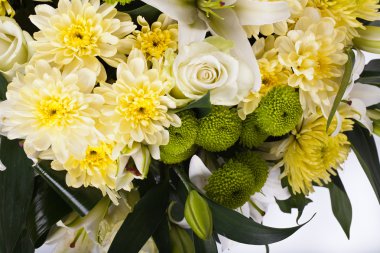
(79, 37)
(139, 106)
(154, 43)
(98, 157)
(56, 111)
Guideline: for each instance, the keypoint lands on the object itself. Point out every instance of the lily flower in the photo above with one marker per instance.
(224, 18)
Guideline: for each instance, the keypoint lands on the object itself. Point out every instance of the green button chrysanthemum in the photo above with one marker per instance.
(232, 185)
(219, 130)
(251, 134)
(181, 139)
(257, 165)
(279, 111)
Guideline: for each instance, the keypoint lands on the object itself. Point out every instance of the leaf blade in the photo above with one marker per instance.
(340, 204)
(343, 86)
(237, 227)
(146, 216)
(363, 144)
(82, 200)
(16, 183)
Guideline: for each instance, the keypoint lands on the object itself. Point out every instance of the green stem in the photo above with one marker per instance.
(262, 213)
(181, 174)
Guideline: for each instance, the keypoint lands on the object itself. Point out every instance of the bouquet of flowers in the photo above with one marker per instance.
(172, 125)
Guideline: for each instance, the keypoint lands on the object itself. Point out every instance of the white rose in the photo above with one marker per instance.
(207, 66)
(14, 48)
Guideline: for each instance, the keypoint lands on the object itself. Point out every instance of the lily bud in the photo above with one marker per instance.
(198, 215)
(180, 240)
(369, 39)
(376, 127)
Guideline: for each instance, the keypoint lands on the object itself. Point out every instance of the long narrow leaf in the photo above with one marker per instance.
(3, 88)
(364, 147)
(340, 204)
(82, 200)
(237, 227)
(46, 209)
(16, 186)
(143, 221)
(343, 86)
(205, 246)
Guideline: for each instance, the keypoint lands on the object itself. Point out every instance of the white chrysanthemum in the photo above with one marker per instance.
(314, 52)
(52, 110)
(98, 169)
(136, 107)
(77, 32)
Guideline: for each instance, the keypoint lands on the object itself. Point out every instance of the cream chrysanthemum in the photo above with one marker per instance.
(154, 40)
(52, 110)
(273, 74)
(314, 52)
(98, 169)
(346, 12)
(136, 107)
(311, 154)
(77, 32)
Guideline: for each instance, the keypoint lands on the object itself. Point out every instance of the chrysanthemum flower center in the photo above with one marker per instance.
(139, 106)
(97, 157)
(154, 43)
(79, 37)
(56, 111)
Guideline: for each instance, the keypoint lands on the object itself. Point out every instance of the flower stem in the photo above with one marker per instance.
(261, 212)
(181, 174)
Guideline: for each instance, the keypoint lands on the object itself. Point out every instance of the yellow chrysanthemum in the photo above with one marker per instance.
(273, 74)
(51, 110)
(314, 51)
(346, 12)
(312, 154)
(136, 107)
(98, 169)
(77, 32)
(154, 40)
(6, 8)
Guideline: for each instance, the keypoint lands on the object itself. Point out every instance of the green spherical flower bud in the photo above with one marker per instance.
(232, 185)
(257, 165)
(219, 130)
(279, 111)
(173, 158)
(181, 139)
(251, 134)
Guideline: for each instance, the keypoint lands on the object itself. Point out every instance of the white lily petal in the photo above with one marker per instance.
(2, 166)
(180, 10)
(360, 108)
(338, 125)
(230, 28)
(359, 65)
(369, 94)
(253, 12)
(142, 161)
(188, 33)
(198, 172)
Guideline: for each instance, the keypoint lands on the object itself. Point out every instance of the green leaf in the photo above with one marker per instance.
(237, 227)
(340, 204)
(202, 106)
(205, 246)
(16, 186)
(161, 236)
(46, 209)
(24, 243)
(143, 221)
(3, 88)
(148, 12)
(298, 201)
(372, 80)
(364, 147)
(343, 86)
(371, 69)
(81, 200)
